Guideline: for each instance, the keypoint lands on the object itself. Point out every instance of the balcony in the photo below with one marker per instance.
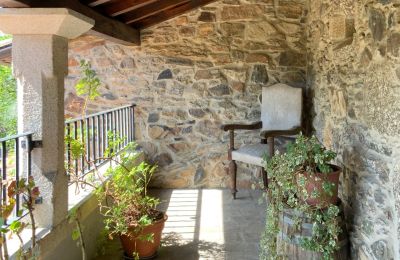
(191, 67)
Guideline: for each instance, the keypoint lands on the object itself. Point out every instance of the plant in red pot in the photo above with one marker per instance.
(130, 213)
(317, 179)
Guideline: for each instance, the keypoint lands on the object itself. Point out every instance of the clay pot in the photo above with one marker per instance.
(146, 249)
(314, 182)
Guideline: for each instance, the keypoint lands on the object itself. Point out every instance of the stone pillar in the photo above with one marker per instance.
(40, 63)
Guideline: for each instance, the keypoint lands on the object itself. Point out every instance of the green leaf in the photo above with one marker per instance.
(75, 234)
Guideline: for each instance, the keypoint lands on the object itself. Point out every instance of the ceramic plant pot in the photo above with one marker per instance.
(314, 183)
(145, 249)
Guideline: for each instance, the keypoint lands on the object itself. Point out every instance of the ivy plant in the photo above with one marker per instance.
(305, 155)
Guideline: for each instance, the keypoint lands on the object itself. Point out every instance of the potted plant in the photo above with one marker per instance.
(130, 213)
(302, 195)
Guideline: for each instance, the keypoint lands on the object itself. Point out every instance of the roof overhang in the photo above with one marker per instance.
(117, 20)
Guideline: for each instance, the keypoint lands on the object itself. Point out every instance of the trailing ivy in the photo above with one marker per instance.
(287, 190)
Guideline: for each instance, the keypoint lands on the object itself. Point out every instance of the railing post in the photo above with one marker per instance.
(132, 128)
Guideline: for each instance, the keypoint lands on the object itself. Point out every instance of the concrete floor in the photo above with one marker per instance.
(207, 224)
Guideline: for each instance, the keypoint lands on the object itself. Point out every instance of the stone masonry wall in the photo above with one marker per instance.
(354, 74)
(194, 73)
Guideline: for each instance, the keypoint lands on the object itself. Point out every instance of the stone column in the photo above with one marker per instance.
(40, 63)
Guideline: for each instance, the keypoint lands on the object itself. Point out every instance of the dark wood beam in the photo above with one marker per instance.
(93, 3)
(121, 7)
(170, 13)
(105, 27)
(149, 10)
(14, 3)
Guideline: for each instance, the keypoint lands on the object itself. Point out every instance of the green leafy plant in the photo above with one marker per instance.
(29, 192)
(77, 232)
(87, 87)
(131, 207)
(287, 189)
(122, 190)
(89, 83)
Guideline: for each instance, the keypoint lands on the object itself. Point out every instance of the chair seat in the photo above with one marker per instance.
(251, 154)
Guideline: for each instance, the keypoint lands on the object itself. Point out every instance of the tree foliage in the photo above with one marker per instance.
(5, 37)
(8, 102)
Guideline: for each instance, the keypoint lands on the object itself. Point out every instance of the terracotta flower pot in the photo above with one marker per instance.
(314, 182)
(146, 249)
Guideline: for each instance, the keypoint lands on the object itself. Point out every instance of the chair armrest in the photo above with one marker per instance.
(275, 133)
(253, 126)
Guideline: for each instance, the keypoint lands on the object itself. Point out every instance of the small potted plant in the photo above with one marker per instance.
(130, 213)
(302, 194)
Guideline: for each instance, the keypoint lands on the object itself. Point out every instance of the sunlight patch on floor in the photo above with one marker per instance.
(182, 214)
(211, 217)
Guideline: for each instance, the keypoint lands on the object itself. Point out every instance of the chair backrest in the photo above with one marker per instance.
(281, 107)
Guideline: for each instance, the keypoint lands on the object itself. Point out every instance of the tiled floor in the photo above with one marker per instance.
(208, 224)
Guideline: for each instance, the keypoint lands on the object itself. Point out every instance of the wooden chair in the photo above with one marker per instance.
(281, 113)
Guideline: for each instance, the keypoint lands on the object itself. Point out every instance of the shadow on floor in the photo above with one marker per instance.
(207, 224)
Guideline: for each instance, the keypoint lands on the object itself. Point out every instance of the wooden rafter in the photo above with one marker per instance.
(121, 7)
(93, 3)
(169, 14)
(150, 10)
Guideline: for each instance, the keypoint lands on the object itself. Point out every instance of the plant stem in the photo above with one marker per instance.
(21, 244)
(5, 249)
(81, 240)
(29, 203)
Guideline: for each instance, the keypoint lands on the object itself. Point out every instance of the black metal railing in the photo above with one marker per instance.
(94, 132)
(16, 163)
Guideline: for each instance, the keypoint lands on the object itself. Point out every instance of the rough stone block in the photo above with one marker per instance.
(205, 29)
(292, 59)
(340, 27)
(260, 74)
(207, 17)
(393, 44)
(240, 12)
(233, 29)
(377, 24)
(290, 8)
(338, 103)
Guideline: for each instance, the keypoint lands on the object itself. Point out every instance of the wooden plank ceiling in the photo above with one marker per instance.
(144, 13)
(119, 20)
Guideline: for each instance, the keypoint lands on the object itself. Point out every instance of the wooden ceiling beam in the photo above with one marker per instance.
(105, 27)
(94, 3)
(171, 13)
(14, 3)
(121, 7)
(151, 9)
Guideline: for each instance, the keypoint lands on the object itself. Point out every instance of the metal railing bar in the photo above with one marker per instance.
(8, 138)
(99, 113)
(17, 202)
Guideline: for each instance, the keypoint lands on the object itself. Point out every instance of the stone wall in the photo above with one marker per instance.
(354, 72)
(194, 73)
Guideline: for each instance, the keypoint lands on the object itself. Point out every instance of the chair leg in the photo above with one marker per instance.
(264, 177)
(233, 172)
